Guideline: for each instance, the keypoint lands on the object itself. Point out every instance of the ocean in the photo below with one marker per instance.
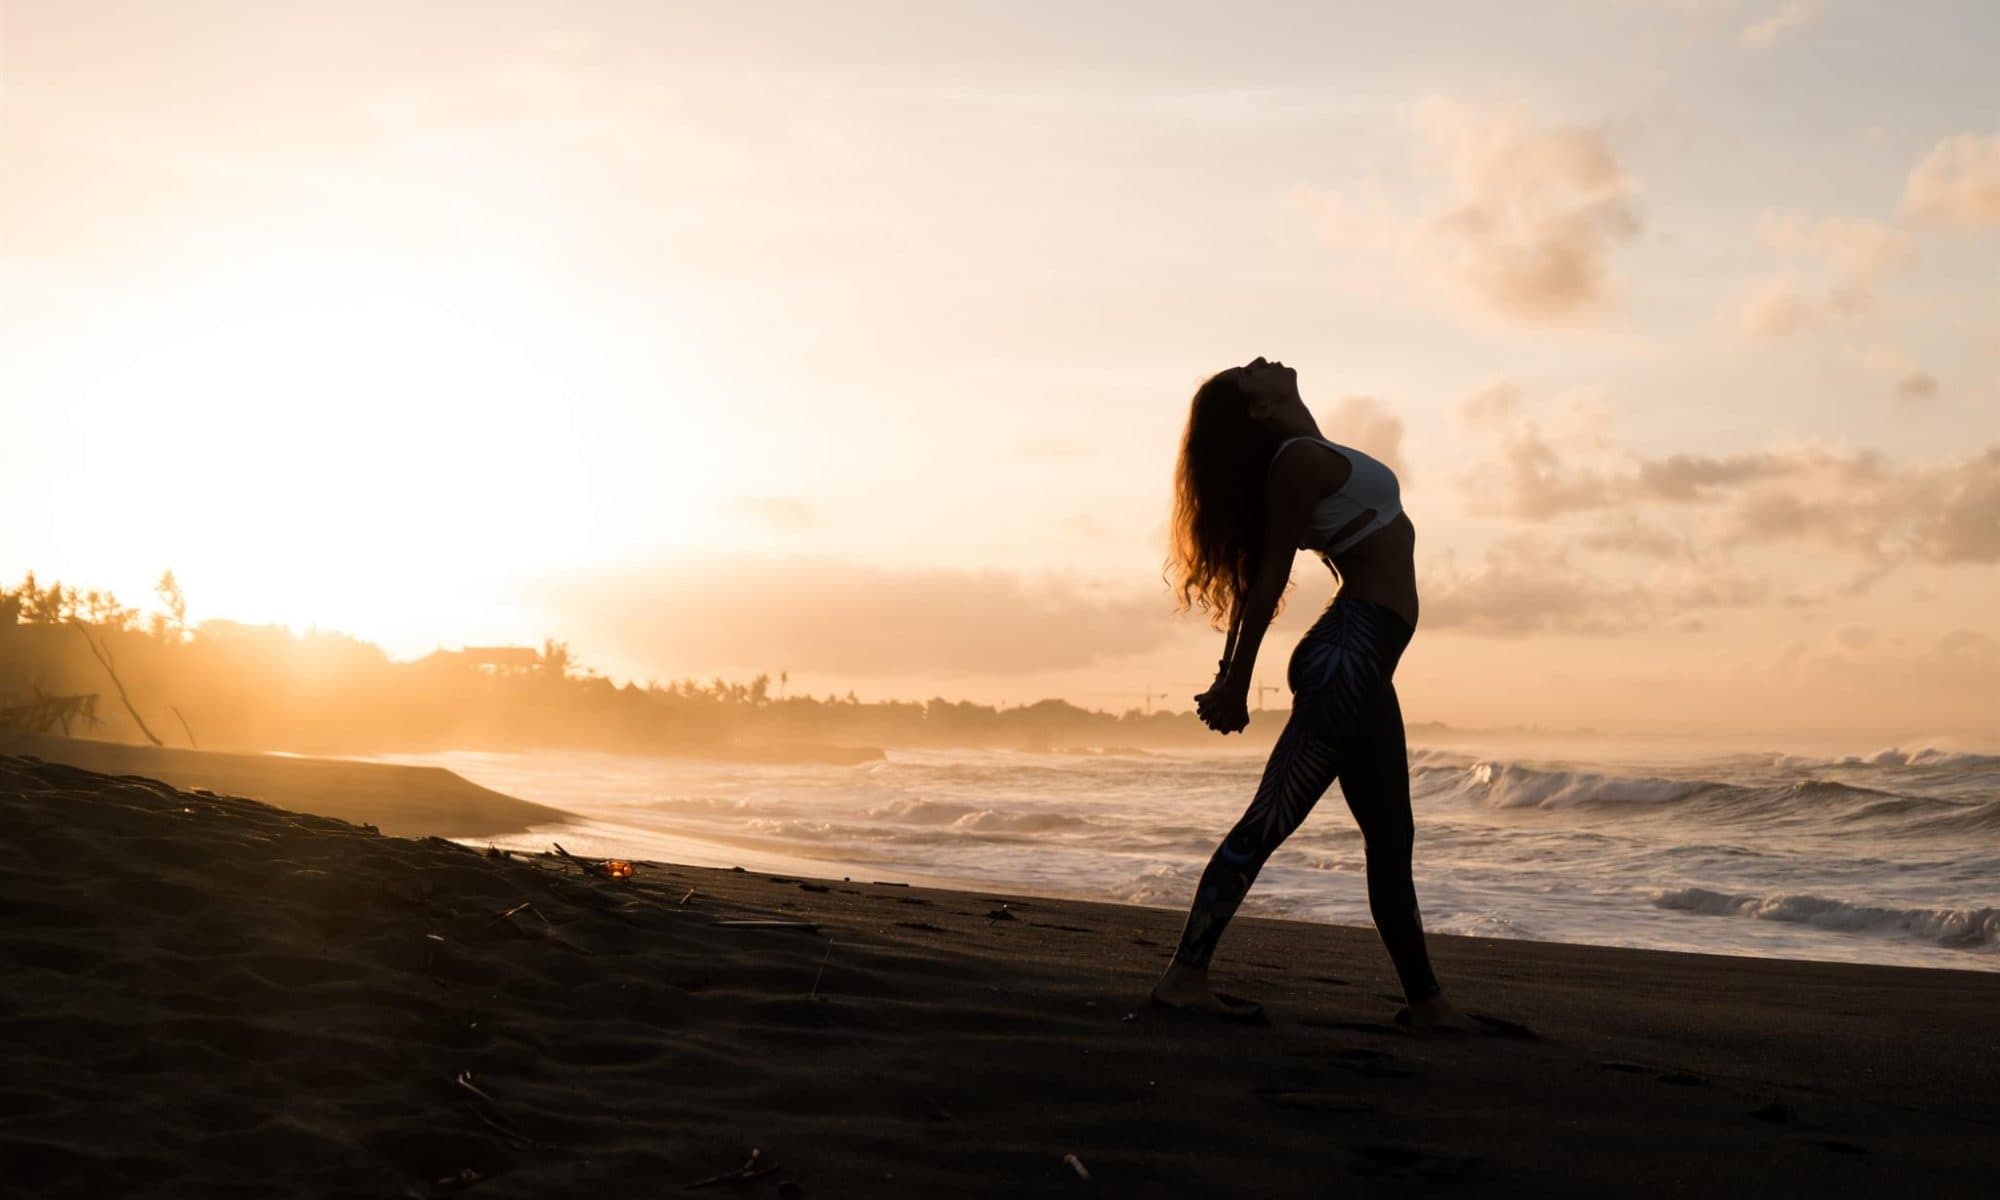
(1892, 857)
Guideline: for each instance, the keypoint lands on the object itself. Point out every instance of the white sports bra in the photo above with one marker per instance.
(1370, 488)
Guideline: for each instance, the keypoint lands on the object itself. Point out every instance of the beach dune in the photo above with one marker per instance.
(209, 996)
(399, 800)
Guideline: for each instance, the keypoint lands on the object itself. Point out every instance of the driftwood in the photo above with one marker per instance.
(608, 868)
(45, 713)
(749, 1170)
(103, 656)
(489, 1115)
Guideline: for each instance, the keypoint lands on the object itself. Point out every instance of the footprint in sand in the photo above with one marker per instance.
(1333, 1102)
(1374, 1027)
(1501, 1027)
(1372, 1064)
(1393, 1158)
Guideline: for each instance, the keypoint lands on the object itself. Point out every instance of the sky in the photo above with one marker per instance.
(855, 341)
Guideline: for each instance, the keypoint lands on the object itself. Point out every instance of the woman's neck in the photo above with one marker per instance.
(1299, 425)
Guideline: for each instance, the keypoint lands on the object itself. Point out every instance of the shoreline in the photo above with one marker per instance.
(417, 799)
(213, 994)
(725, 857)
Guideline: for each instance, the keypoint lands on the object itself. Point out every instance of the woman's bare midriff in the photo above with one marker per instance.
(1382, 569)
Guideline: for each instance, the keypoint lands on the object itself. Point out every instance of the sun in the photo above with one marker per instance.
(384, 461)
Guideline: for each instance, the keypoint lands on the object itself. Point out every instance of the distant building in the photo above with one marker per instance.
(497, 660)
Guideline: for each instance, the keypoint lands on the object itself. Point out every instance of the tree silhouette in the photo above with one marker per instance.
(170, 625)
(265, 686)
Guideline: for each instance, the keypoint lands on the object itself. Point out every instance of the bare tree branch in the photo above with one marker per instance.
(192, 744)
(103, 656)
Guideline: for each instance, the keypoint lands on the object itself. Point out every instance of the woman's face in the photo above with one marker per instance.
(1271, 387)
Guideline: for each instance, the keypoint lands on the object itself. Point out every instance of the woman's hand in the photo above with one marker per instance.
(1224, 708)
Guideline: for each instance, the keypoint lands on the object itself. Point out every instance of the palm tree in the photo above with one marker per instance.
(556, 658)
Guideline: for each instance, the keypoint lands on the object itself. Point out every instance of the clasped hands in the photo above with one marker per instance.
(1225, 707)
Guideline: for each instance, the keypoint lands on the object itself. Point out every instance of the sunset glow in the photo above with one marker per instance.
(715, 340)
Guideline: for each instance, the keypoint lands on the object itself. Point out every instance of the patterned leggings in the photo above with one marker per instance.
(1345, 725)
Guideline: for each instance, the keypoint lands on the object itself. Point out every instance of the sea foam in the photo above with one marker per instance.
(1956, 927)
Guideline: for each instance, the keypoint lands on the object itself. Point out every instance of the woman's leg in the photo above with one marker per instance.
(1301, 767)
(1376, 781)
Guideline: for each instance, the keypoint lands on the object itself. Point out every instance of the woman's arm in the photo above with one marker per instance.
(1290, 493)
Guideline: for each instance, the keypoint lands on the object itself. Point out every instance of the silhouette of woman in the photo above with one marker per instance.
(1255, 484)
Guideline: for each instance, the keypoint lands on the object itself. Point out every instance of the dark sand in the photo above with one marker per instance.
(210, 997)
(403, 801)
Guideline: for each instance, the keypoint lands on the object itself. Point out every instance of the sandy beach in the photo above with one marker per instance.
(214, 996)
(397, 800)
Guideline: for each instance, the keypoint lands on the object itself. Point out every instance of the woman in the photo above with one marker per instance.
(1256, 483)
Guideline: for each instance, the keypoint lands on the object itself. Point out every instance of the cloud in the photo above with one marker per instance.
(1917, 388)
(1491, 407)
(1912, 387)
(822, 615)
(1859, 504)
(1862, 506)
(1533, 472)
(1831, 266)
(1773, 307)
(1856, 523)
(1855, 253)
(1528, 478)
(1957, 183)
(1686, 478)
(1530, 583)
(1622, 531)
(1965, 524)
(1521, 226)
(787, 514)
(1532, 215)
(1789, 18)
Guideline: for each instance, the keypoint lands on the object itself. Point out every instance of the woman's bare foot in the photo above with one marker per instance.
(1182, 984)
(1186, 989)
(1434, 1014)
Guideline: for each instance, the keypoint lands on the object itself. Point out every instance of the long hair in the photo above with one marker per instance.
(1217, 529)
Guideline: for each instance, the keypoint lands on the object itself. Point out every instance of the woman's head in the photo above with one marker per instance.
(1234, 425)
(1270, 390)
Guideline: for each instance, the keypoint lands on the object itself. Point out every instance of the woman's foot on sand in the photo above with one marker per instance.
(1188, 991)
(1435, 1015)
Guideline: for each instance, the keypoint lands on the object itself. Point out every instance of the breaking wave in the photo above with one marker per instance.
(1959, 928)
(1893, 803)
